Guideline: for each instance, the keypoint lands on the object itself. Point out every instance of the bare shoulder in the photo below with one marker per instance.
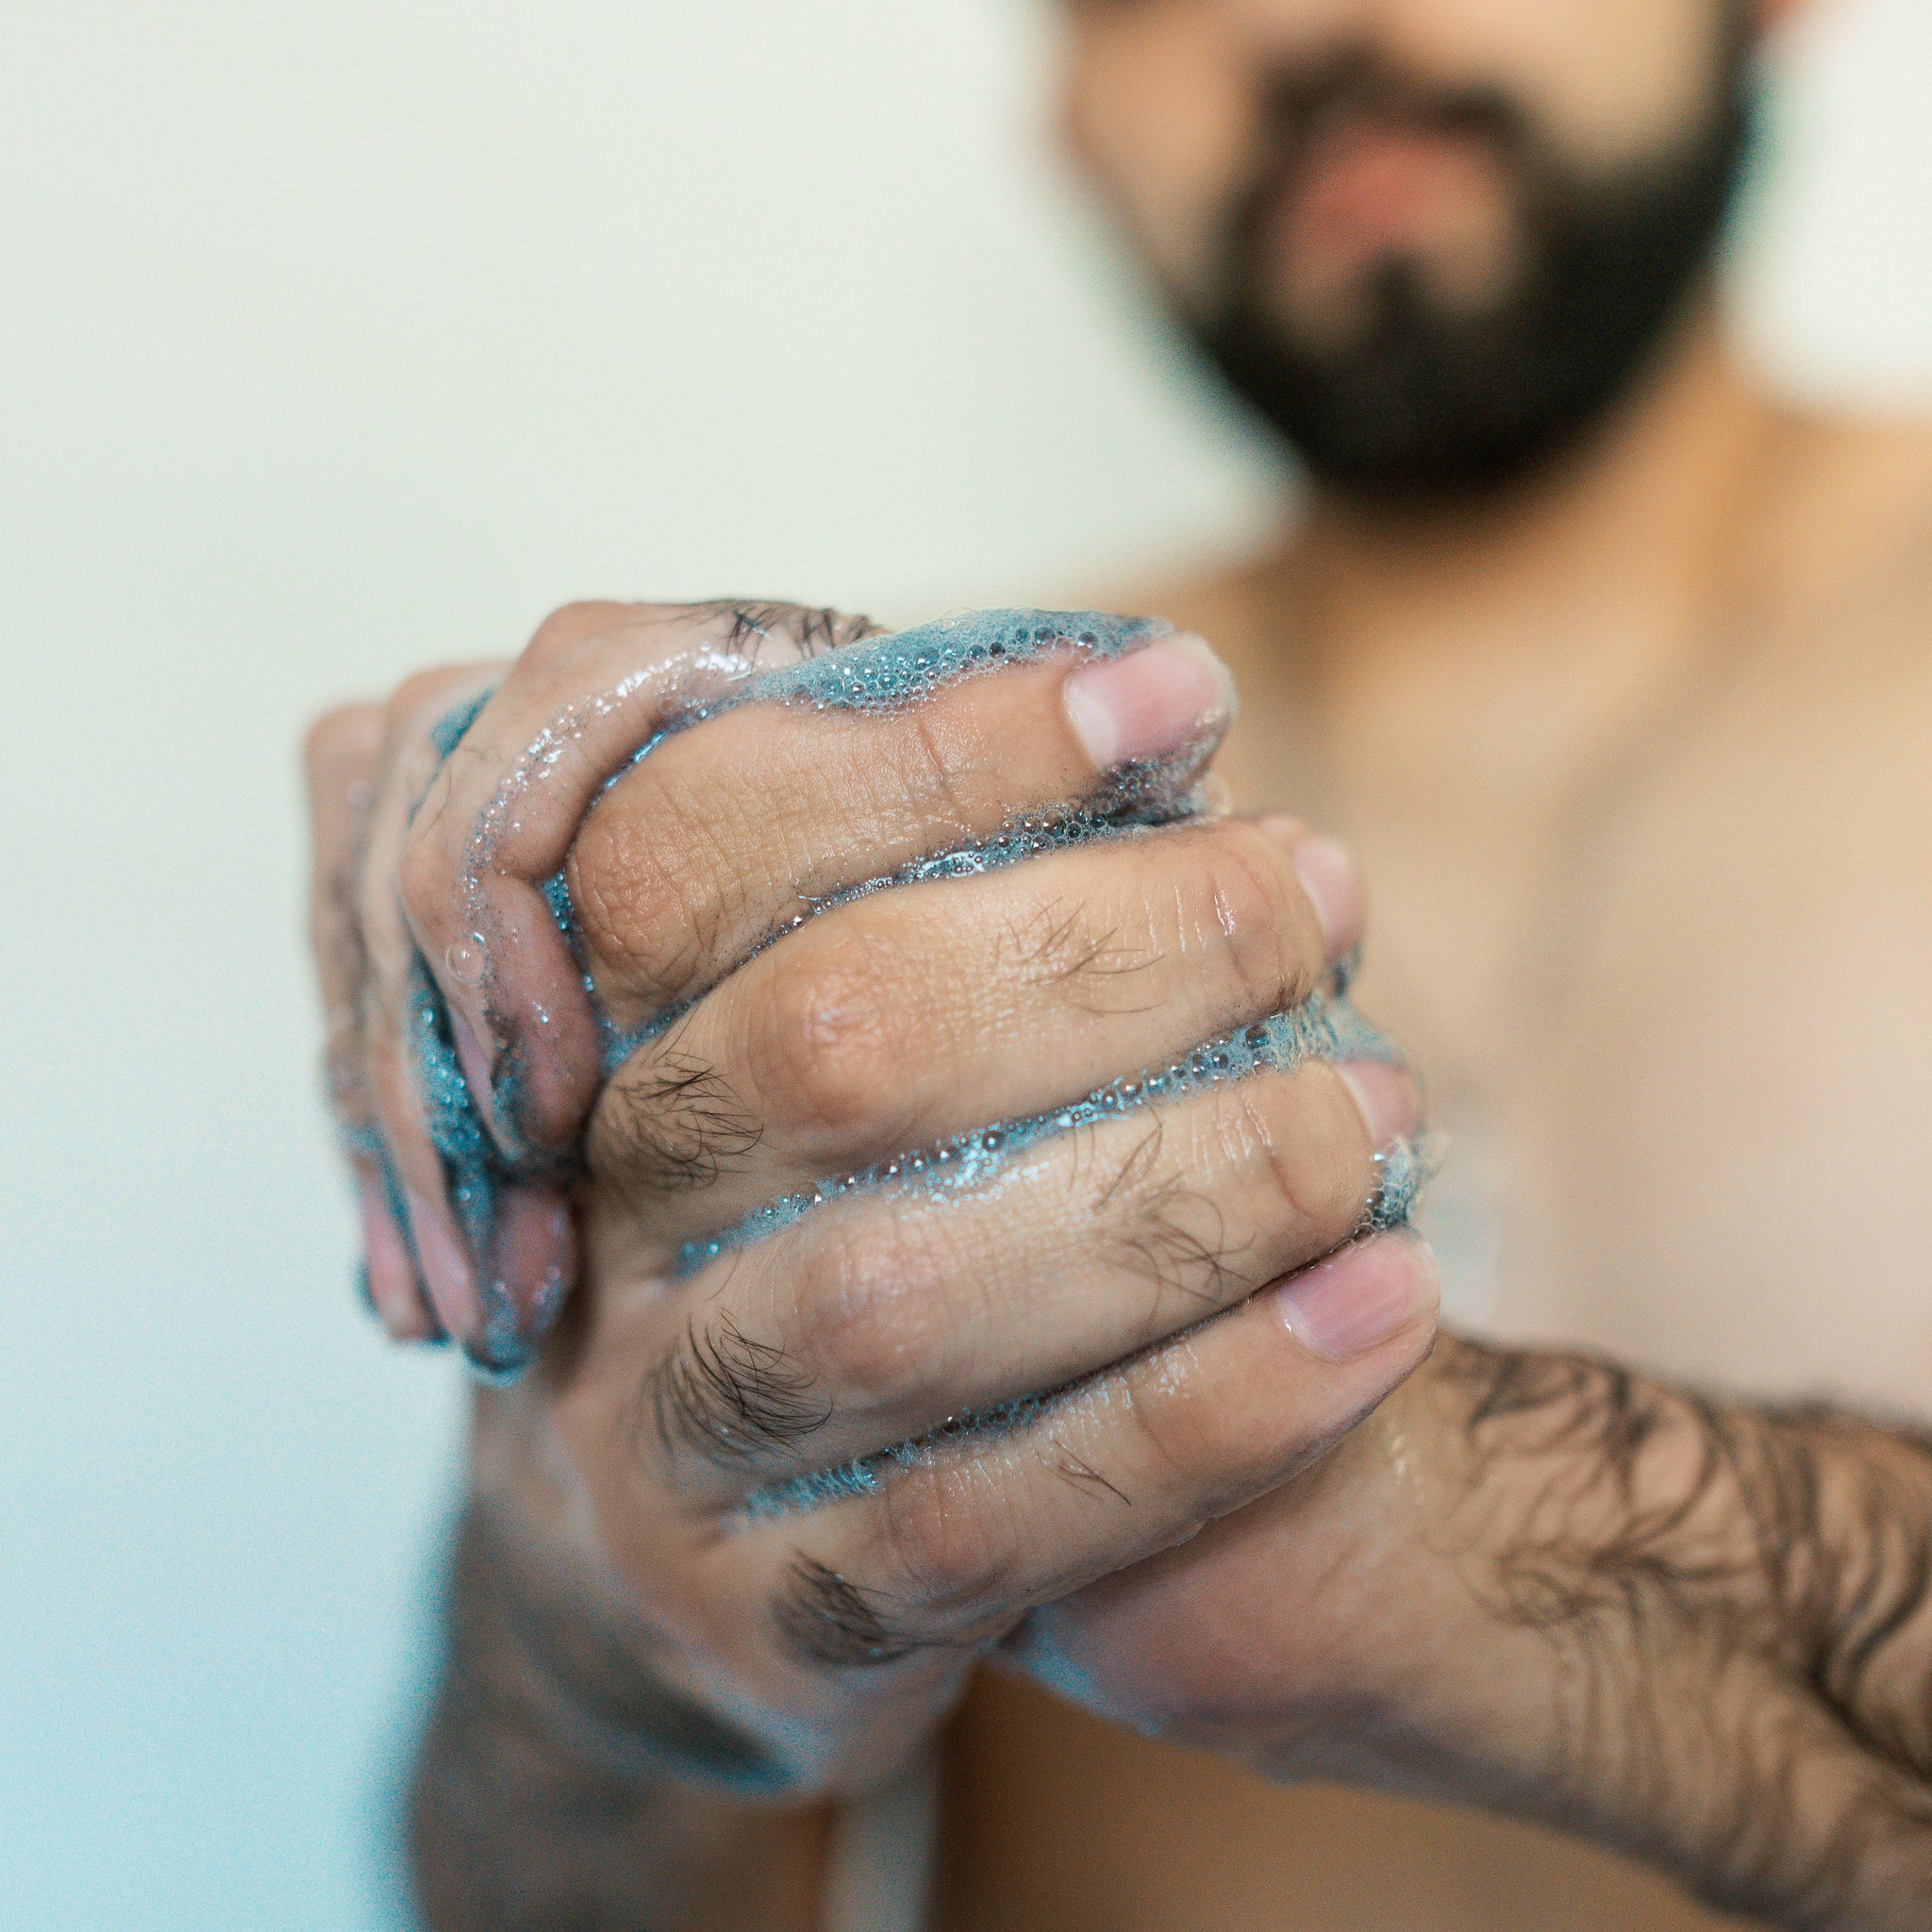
(1860, 505)
(1848, 550)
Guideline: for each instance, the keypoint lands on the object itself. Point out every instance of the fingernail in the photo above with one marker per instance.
(1328, 876)
(389, 1276)
(532, 1257)
(1361, 1297)
(1150, 703)
(475, 1064)
(1387, 1097)
(446, 1270)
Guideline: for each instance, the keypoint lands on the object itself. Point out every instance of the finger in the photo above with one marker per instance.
(907, 1017)
(390, 1280)
(597, 682)
(949, 1541)
(414, 1086)
(546, 1068)
(729, 835)
(340, 756)
(889, 1312)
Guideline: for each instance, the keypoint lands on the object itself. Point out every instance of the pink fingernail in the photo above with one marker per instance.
(475, 1064)
(1149, 704)
(532, 1257)
(1328, 876)
(390, 1272)
(1387, 1097)
(1361, 1297)
(447, 1271)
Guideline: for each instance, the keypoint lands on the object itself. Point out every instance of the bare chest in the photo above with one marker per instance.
(1686, 1065)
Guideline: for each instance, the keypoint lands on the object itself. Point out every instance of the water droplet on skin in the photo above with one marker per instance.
(893, 671)
(466, 959)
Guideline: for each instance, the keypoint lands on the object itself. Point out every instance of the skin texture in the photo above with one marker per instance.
(631, 1610)
(1692, 1629)
(1636, 757)
(1730, 1594)
(1162, 108)
(1550, 1587)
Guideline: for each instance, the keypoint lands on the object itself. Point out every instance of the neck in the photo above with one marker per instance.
(1510, 641)
(1630, 534)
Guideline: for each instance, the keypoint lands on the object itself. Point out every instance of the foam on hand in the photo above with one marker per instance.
(884, 673)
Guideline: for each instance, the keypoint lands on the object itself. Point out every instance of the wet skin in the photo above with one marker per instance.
(1483, 702)
(714, 1440)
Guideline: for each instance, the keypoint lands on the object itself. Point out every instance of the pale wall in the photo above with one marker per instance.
(334, 338)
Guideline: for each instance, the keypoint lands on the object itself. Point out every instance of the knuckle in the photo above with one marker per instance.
(729, 1397)
(636, 887)
(569, 625)
(669, 1122)
(1308, 1185)
(937, 753)
(823, 1617)
(1176, 1432)
(866, 1317)
(1192, 1439)
(1172, 1232)
(1245, 896)
(822, 1041)
(949, 1545)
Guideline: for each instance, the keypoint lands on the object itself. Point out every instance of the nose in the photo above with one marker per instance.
(1299, 30)
(1271, 29)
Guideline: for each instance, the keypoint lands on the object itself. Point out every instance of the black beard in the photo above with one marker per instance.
(1427, 402)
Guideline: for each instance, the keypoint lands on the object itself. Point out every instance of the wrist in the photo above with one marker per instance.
(1692, 1629)
(631, 1659)
(554, 1777)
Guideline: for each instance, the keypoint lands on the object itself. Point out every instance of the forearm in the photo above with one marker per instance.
(1696, 1629)
(557, 1787)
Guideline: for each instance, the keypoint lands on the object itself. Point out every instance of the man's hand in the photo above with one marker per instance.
(783, 1474)
(789, 1471)
(1695, 1630)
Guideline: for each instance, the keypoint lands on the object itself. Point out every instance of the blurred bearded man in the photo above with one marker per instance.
(1613, 669)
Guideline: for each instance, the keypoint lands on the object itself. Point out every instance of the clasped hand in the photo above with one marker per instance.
(798, 1481)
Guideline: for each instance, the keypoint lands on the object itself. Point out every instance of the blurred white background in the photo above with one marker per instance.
(337, 338)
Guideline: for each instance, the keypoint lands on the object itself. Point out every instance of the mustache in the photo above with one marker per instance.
(1304, 105)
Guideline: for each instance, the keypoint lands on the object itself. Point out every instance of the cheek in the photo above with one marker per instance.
(1606, 80)
(1160, 119)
